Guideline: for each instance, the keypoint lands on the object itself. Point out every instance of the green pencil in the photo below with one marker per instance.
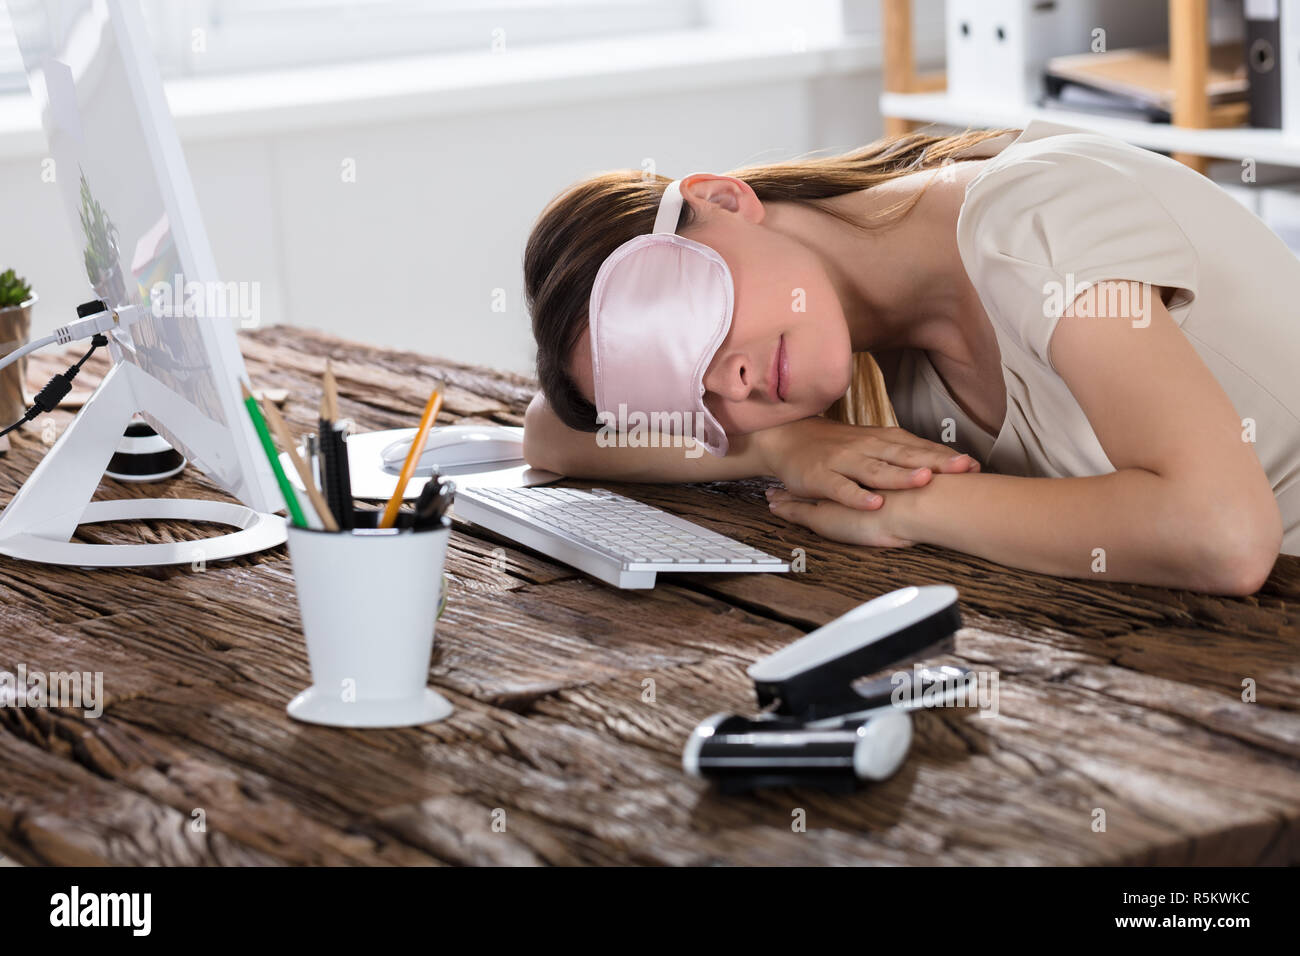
(286, 489)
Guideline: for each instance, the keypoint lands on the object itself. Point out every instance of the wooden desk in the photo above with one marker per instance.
(1115, 697)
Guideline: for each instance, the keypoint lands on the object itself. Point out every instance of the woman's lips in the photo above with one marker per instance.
(783, 371)
(778, 375)
(774, 374)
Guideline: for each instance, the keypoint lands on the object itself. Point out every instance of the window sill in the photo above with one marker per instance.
(243, 104)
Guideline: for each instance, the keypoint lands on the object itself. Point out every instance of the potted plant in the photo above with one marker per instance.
(16, 299)
(100, 254)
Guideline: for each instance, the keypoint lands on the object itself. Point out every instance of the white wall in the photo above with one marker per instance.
(409, 254)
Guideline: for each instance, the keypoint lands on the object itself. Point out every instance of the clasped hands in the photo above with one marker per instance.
(834, 475)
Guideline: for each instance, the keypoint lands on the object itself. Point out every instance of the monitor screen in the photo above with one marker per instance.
(116, 159)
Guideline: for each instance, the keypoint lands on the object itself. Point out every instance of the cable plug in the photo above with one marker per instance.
(58, 387)
(122, 317)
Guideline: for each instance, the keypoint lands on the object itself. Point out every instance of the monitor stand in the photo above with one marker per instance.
(144, 456)
(42, 517)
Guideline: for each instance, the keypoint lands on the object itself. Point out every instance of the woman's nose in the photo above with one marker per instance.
(731, 377)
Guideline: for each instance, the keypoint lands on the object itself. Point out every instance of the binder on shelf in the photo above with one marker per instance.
(1263, 62)
(997, 49)
(1289, 65)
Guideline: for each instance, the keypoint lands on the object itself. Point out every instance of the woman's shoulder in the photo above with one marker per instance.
(1069, 167)
(1071, 201)
(1063, 208)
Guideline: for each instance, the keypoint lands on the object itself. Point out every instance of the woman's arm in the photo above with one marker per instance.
(554, 446)
(812, 455)
(1188, 505)
(1130, 525)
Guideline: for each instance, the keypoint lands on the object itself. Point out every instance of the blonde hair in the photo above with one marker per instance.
(867, 400)
(589, 220)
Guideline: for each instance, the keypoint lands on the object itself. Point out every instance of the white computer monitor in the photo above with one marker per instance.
(136, 224)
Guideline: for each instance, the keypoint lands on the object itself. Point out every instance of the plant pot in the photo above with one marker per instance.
(15, 330)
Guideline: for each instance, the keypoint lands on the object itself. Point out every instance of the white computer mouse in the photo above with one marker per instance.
(451, 446)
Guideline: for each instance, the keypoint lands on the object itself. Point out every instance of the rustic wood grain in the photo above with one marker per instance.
(573, 700)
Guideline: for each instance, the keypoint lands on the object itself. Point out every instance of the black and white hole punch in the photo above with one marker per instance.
(746, 753)
(823, 726)
(814, 676)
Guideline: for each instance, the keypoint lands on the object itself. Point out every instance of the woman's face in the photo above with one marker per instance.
(787, 354)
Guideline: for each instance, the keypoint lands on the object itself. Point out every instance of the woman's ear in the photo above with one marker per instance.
(706, 193)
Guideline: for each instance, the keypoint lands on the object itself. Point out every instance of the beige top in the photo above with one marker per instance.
(1057, 201)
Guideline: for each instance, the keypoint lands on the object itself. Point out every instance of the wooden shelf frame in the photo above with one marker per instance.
(1189, 53)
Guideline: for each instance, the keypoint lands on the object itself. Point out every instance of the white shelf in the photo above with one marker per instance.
(1261, 145)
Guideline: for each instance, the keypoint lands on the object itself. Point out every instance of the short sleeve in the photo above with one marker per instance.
(1036, 230)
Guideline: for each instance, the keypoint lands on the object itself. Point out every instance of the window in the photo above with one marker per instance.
(12, 77)
(201, 37)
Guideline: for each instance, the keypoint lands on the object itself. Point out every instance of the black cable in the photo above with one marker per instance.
(57, 388)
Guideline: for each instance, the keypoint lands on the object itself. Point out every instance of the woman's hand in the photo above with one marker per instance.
(845, 464)
(838, 522)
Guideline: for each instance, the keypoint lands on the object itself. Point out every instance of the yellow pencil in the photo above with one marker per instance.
(281, 431)
(413, 456)
(329, 394)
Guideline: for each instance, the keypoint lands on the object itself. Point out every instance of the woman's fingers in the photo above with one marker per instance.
(858, 487)
(941, 457)
(849, 492)
(830, 519)
(921, 454)
(799, 510)
(784, 495)
(875, 473)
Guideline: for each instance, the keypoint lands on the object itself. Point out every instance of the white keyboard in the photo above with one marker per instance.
(613, 538)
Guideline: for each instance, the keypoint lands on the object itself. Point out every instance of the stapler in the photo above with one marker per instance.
(821, 725)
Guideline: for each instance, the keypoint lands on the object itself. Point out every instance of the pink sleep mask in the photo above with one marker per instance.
(660, 307)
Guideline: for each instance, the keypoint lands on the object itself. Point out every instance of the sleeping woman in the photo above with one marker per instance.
(1044, 347)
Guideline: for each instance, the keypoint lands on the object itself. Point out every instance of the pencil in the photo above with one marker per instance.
(336, 479)
(329, 395)
(286, 489)
(286, 439)
(413, 456)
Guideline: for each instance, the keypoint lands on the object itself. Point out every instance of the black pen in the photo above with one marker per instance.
(335, 474)
(431, 507)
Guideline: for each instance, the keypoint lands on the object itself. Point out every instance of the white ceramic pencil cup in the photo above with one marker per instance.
(369, 604)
